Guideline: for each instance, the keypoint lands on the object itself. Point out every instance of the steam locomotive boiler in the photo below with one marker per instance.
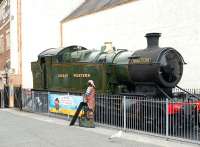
(150, 71)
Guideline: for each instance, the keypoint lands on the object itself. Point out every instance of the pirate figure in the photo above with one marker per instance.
(90, 99)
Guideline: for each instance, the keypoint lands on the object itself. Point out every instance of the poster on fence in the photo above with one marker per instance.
(64, 103)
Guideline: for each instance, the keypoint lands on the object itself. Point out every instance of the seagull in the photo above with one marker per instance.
(116, 135)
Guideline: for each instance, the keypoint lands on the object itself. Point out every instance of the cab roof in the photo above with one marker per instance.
(56, 51)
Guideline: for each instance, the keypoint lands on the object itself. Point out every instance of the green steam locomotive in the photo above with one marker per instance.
(149, 71)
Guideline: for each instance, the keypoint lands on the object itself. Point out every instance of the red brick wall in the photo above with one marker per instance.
(3, 58)
(5, 55)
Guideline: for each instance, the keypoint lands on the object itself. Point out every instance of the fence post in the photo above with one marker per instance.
(124, 99)
(48, 102)
(198, 114)
(32, 95)
(2, 100)
(167, 118)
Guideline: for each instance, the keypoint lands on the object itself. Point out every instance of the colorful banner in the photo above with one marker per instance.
(64, 103)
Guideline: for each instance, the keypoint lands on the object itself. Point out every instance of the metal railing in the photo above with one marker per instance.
(1, 99)
(35, 101)
(156, 116)
(177, 118)
(26, 100)
(40, 101)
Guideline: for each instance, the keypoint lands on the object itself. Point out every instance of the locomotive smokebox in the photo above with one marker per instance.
(155, 65)
(153, 40)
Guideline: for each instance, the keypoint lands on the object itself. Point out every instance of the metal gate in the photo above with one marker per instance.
(1, 98)
(6, 96)
(18, 97)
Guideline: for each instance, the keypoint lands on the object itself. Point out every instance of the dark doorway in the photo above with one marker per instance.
(18, 97)
(6, 96)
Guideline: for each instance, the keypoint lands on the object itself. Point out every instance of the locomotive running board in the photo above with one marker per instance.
(188, 92)
(77, 113)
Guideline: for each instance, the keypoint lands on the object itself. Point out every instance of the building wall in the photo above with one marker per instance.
(4, 40)
(14, 76)
(35, 27)
(5, 49)
(126, 25)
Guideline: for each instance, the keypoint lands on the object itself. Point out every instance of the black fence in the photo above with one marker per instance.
(6, 96)
(1, 99)
(18, 97)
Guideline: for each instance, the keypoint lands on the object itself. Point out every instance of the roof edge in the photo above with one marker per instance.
(66, 19)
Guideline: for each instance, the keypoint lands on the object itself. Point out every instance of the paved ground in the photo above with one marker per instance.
(20, 129)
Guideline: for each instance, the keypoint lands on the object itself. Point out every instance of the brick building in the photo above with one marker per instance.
(4, 40)
(27, 27)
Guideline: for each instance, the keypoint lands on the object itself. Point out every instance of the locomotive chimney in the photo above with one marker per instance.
(152, 40)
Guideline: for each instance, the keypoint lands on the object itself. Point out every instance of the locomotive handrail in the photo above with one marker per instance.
(134, 57)
(188, 92)
(133, 94)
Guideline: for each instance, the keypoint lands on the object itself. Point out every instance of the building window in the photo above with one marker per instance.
(4, 11)
(7, 40)
(1, 43)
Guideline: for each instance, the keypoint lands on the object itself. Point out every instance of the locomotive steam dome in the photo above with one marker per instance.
(162, 66)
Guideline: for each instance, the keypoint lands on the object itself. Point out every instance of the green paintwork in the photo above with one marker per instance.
(70, 68)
